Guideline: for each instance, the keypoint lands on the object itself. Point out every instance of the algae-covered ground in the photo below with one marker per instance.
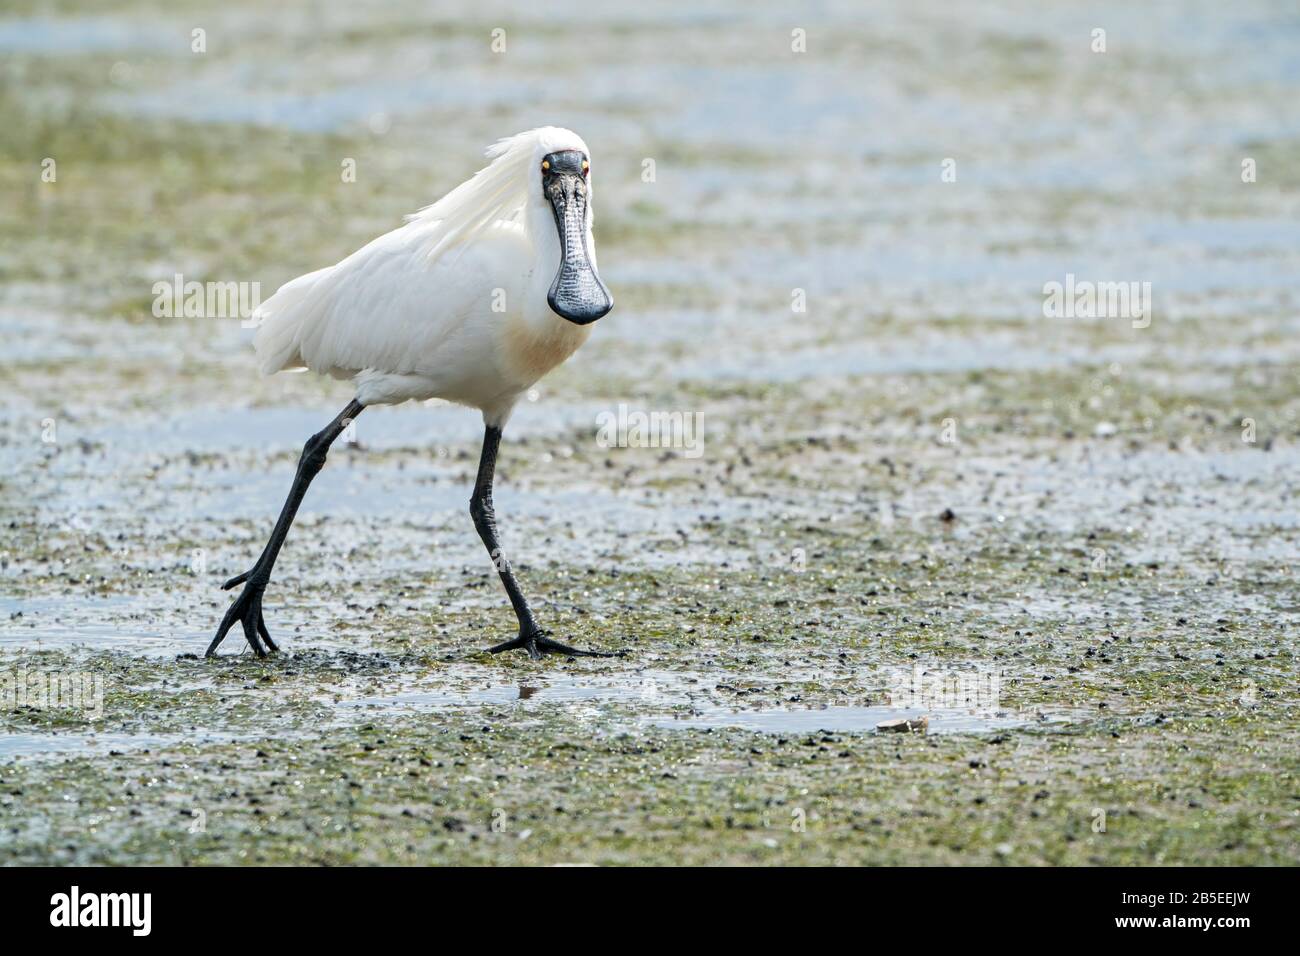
(1079, 533)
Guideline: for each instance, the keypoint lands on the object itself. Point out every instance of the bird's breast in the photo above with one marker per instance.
(533, 348)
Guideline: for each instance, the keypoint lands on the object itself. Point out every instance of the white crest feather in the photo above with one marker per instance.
(496, 193)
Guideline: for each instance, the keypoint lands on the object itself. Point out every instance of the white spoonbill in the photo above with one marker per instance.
(473, 300)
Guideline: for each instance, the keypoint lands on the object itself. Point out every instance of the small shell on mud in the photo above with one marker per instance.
(904, 725)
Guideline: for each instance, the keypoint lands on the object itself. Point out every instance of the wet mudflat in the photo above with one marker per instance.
(1083, 530)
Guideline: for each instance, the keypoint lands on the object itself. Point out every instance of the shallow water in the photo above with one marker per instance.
(35, 746)
(844, 720)
(691, 696)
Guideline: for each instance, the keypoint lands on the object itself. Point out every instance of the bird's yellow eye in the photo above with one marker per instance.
(546, 164)
(585, 165)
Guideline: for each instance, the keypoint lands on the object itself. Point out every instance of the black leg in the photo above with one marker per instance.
(247, 608)
(531, 637)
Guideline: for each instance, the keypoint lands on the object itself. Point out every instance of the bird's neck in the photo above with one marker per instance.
(545, 240)
(545, 243)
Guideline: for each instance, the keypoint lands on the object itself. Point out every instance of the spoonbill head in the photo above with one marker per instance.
(473, 300)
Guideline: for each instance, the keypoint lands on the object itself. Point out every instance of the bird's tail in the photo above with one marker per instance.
(280, 322)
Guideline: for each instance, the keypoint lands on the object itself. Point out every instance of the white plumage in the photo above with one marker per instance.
(451, 305)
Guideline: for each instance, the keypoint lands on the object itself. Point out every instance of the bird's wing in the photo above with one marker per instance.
(386, 307)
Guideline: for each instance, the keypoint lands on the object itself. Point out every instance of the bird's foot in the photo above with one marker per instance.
(537, 644)
(247, 609)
